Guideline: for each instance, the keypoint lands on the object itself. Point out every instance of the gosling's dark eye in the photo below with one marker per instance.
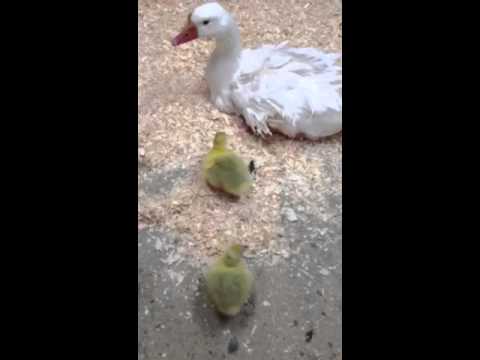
(205, 22)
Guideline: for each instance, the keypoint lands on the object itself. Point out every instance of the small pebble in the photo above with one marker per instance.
(324, 272)
(290, 213)
(233, 345)
(308, 335)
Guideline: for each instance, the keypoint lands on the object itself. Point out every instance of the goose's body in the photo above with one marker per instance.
(224, 170)
(229, 282)
(295, 91)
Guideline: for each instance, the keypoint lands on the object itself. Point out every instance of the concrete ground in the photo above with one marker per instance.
(291, 221)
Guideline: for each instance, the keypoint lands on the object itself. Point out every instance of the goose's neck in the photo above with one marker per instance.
(222, 66)
(229, 45)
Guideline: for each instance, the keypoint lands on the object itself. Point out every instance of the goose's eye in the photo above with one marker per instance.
(205, 22)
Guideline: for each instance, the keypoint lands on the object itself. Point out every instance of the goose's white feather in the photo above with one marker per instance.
(295, 91)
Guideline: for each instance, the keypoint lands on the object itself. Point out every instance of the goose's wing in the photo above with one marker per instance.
(285, 87)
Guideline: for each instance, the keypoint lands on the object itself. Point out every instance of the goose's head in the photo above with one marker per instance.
(210, 21)
(233, 255)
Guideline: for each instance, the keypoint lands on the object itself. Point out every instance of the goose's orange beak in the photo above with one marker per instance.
(188, 33)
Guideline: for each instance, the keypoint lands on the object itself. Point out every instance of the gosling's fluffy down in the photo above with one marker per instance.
(224, 170)
(229, 282)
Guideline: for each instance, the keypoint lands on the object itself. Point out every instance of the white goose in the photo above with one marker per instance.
(295, 91)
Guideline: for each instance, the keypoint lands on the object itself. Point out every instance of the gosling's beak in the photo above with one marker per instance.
(188, 33)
